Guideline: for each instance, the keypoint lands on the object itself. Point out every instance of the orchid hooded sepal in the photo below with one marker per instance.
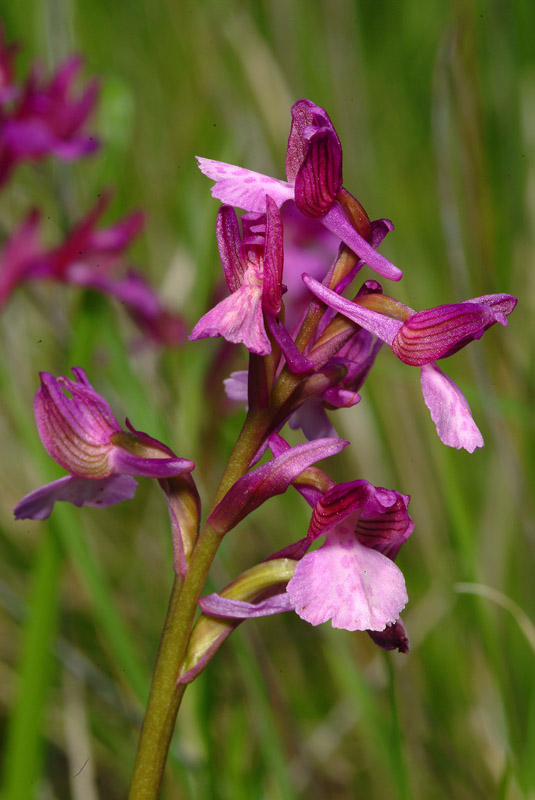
(268, 480)
(254, 590)
(82, 435)
(421, 337)
(314, 172)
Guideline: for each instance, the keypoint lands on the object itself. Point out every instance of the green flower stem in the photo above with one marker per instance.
(165, 695)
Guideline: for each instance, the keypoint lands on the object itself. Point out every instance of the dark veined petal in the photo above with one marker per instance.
(320, 175)
(432, 334)
(75, 430)
(379, 517)
(273, 259)
(305, 115)
(229, 243)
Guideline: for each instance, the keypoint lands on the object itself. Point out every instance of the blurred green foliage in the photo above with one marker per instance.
(435, 106)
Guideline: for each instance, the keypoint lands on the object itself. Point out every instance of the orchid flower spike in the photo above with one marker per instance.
(420, 338)
(80, 433)
(314, 173)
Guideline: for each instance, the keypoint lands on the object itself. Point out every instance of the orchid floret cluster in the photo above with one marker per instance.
(312, 341)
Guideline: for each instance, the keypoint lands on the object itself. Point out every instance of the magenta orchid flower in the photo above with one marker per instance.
(90, 258)
(84, 256)
(351, 579)
(80, 433)
(46, 119)
(422, 337)
(253, 271)
(314, 182)
(252, 263)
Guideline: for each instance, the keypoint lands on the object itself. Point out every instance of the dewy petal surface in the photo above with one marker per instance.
(353, 586)
(449, 410)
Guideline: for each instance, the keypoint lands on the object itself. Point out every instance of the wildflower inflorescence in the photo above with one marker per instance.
(312, 341)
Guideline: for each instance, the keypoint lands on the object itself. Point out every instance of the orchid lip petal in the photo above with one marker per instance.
(239, 319)
(355, 587)
(449, 410)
